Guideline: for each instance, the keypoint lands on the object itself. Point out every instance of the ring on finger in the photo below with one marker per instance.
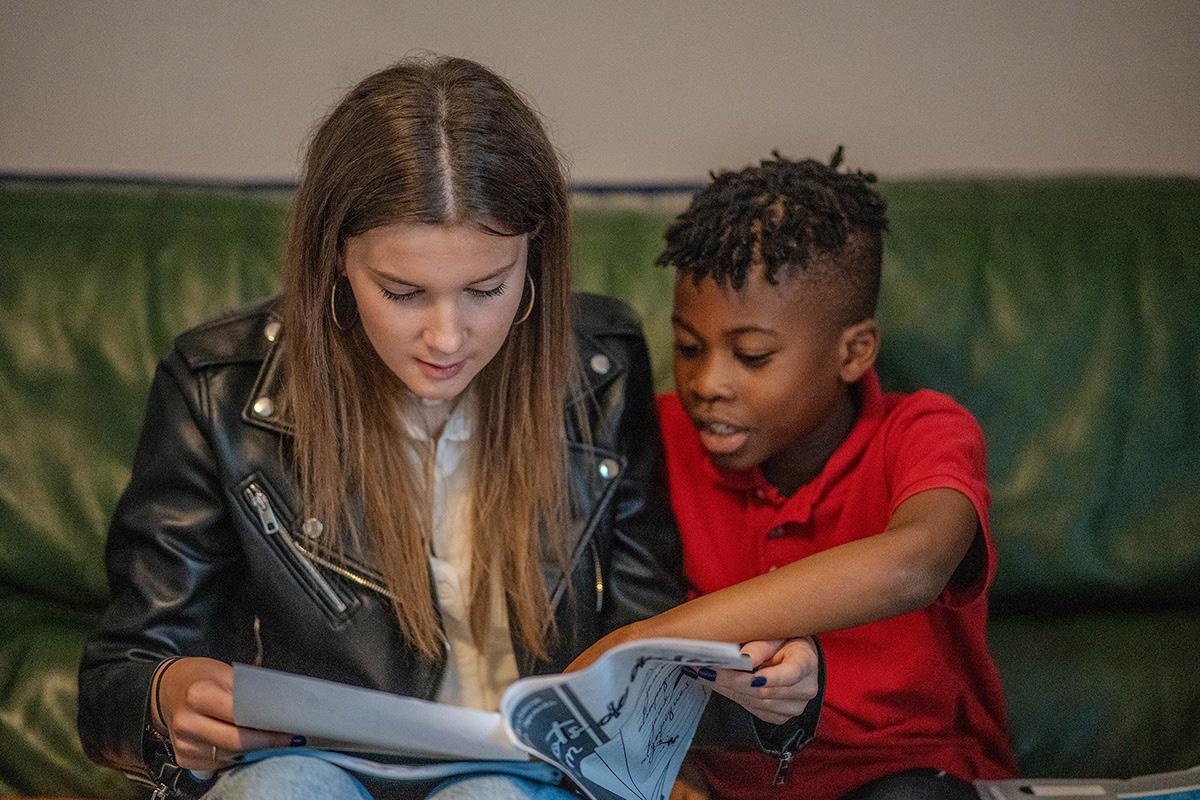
(214, 754)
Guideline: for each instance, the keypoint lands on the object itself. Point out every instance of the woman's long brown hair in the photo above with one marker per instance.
(437, 141)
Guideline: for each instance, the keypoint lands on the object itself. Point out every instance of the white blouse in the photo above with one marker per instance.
(472, 679)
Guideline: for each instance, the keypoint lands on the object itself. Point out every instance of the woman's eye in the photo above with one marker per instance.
(686, 350)
(754, 359)
(499, 290)
(400, 297)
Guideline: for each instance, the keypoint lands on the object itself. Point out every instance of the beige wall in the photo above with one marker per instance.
(632, 91)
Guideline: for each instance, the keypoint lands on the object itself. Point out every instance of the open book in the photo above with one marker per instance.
(1180, 785)
(618, 729)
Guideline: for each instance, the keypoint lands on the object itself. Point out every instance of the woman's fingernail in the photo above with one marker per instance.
(298, 741)
(707, 674)
(759, 680)
(691, 673)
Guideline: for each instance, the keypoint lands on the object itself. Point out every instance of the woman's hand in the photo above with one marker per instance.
(196, 698)
(786, 671)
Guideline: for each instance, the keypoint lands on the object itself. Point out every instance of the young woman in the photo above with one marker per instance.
(426, 469)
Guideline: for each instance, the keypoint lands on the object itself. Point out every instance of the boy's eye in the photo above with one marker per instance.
(499, 290)
(400, 297)
(686, 350)
(754, 359)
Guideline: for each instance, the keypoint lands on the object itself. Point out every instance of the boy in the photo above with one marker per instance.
(810, 502)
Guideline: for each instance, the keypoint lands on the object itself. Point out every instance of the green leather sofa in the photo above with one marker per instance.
(1064, 313)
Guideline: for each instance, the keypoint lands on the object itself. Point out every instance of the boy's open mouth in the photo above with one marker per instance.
(719, 437)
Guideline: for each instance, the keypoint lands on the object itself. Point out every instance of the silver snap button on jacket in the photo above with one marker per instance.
(609, 469)
(264, 407)
(600, 364)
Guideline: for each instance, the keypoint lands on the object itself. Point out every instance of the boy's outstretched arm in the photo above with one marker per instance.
(904, 568)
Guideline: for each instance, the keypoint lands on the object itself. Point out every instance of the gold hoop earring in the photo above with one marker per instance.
(532, 295)
(342, 308)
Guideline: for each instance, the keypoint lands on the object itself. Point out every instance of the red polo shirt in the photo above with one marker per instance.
(917, 690)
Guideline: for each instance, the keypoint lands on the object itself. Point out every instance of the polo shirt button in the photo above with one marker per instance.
(775, 533)
(772, 568)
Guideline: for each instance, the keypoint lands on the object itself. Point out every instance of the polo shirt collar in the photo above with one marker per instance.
(753, 483)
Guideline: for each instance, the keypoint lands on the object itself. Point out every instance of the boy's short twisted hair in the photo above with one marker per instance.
(800, 217)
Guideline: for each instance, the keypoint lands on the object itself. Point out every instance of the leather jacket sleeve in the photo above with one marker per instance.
(171, 565)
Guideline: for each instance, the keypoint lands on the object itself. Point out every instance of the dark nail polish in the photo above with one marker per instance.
(298, 741)
(691, 673)
(759, 680)
(707, 674)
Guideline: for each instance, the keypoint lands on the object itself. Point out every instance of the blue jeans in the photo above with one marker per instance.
(303, 778)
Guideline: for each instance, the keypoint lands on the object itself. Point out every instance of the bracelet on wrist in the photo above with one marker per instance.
(155, 685)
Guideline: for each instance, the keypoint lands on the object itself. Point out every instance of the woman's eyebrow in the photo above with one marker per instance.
(387, 276)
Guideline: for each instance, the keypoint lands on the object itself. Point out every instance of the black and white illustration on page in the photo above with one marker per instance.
(625, 739)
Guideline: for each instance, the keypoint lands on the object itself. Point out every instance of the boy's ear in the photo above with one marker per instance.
(858, 348)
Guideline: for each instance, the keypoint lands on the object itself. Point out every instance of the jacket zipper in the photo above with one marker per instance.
(271, 526)
(599, 577)
(367, 583)
(256, 629)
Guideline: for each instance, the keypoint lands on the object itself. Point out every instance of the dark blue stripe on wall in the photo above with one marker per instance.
(636, 188)
(149, 181)
(600, 188)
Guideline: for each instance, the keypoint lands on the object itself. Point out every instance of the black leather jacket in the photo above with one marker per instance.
(206, 554)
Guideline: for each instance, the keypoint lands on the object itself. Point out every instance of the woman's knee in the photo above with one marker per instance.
(287, 778)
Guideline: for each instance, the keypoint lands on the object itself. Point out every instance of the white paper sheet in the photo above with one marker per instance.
(335, 716)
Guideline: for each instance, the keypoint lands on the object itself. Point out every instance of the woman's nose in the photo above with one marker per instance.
(443, 328)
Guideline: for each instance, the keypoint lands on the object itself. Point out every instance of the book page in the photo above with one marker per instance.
(336, 716)
(621, 727)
